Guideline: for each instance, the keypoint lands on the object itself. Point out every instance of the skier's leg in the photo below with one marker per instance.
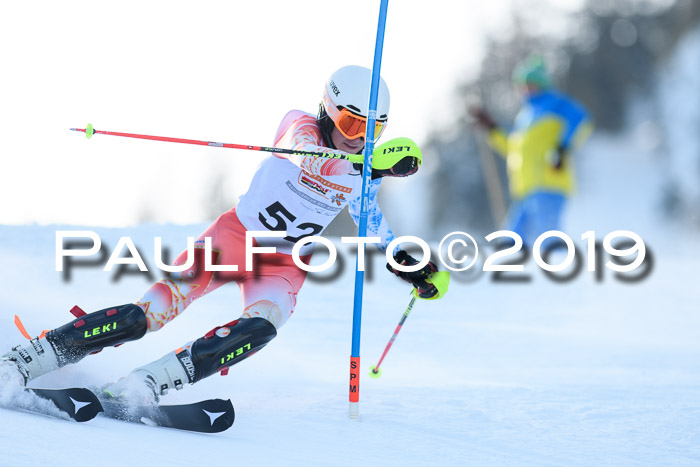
(166, 299)
(516, 221)
(268, 302)
(272, 297)
(169, 297)
(547, 210)
(220, 348)
(89, 333)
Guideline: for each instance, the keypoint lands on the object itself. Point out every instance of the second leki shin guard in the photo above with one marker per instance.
(220, 348)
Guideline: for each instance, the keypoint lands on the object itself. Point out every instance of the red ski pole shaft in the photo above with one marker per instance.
(375, 369)
(89, 131)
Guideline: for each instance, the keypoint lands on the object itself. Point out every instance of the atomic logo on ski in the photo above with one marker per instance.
(219, 416)
(213, 416)
(71, 401)
(77, 405)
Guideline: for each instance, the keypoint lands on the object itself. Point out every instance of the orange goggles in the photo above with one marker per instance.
(351, 125)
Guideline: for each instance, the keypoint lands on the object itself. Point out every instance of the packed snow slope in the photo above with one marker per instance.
(537, 373)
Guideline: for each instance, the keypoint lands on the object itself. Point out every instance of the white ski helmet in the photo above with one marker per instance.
(346, 103)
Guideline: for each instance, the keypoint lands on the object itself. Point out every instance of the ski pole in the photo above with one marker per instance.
(89, 131)
(376, 372)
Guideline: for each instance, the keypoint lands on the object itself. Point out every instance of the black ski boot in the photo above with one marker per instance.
(70, 343)
(219, 349)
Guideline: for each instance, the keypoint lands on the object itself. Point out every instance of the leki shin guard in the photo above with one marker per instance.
(70, 343)
(220, 348)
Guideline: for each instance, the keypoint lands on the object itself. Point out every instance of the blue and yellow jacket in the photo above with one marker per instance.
(547, 121)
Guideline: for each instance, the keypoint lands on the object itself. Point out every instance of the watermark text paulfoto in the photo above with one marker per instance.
(457, 251)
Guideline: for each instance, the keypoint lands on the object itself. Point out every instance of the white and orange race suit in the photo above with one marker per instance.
(300, 195)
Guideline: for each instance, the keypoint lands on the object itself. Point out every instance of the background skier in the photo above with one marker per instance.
(538, 150)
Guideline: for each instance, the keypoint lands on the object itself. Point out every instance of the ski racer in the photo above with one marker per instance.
(297, 194)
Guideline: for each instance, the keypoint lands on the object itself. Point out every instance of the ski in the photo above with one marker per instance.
(208, 416)
(80, 404)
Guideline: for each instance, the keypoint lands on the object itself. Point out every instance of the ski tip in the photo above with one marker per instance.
(89, 131)
(375, 372)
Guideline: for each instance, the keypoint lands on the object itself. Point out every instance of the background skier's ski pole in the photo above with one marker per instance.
(375, 371)
(89, 131)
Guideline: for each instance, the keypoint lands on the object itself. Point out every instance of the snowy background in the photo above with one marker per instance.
(585, 372)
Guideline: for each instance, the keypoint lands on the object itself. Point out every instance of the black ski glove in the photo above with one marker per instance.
(482, 117)
(415, 278)
(559, 157)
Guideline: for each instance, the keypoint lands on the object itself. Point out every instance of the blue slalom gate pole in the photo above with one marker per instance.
(362, 232)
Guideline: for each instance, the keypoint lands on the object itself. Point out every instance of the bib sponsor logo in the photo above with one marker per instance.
(338, 198)
(328, 184)
(313, 185)
(328, 209)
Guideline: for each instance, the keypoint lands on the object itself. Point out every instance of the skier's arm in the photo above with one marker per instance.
(377, 225)
(497, 138)
(577, 129)
(302, 135)
(578, 134)
(420, 279)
